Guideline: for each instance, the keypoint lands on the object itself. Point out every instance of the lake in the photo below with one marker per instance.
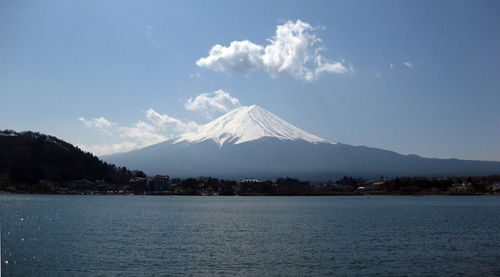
(72, 235)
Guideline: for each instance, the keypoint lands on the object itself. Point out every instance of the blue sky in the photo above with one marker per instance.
(414, 77)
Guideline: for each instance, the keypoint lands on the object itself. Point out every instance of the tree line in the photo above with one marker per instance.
(34, 162)
(28, 157)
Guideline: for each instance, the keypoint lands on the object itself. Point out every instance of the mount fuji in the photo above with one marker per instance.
(250, 141)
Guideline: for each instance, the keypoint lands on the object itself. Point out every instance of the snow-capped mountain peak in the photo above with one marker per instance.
(248, 123)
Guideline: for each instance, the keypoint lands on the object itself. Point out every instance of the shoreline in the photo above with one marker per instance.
(259, 195)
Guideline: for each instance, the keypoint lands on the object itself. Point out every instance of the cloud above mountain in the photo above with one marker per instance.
(293, 51)
(239, 56)
(212, 104)
(140, 134)
(100, 122)
(156, 127)
(166, 122)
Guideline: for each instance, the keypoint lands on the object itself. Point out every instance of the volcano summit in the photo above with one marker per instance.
(248, 123)
(252, 142)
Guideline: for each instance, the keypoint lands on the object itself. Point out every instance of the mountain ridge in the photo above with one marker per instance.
(28, 157)
(247, 123)
(252, 142)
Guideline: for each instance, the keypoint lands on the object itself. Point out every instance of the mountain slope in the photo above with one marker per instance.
(245, 124)
(271, 158)
(252, 142)
(28, 157)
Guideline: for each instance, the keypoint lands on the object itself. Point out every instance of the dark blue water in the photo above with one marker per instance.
(56, 235)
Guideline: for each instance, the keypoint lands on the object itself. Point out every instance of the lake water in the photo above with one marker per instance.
(65, 235)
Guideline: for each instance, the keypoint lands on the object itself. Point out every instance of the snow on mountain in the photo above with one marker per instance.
(248, 123)
(252, 142)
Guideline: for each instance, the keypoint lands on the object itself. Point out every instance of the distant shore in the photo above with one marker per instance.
(369, 194)
(208, 186)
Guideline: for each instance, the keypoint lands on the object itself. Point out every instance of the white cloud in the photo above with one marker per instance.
(142, 131)
(157, 127)
(391, 66)
(139, 135)
(211, 104)
(408, 64)
(108, 149)
(293, 51)
(164, 121)
(328, 67)
(239, 56)
(100, 122)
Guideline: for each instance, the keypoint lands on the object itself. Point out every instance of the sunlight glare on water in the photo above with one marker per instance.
(56, 235)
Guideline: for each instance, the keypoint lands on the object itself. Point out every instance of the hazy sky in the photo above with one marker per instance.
(410, 76)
